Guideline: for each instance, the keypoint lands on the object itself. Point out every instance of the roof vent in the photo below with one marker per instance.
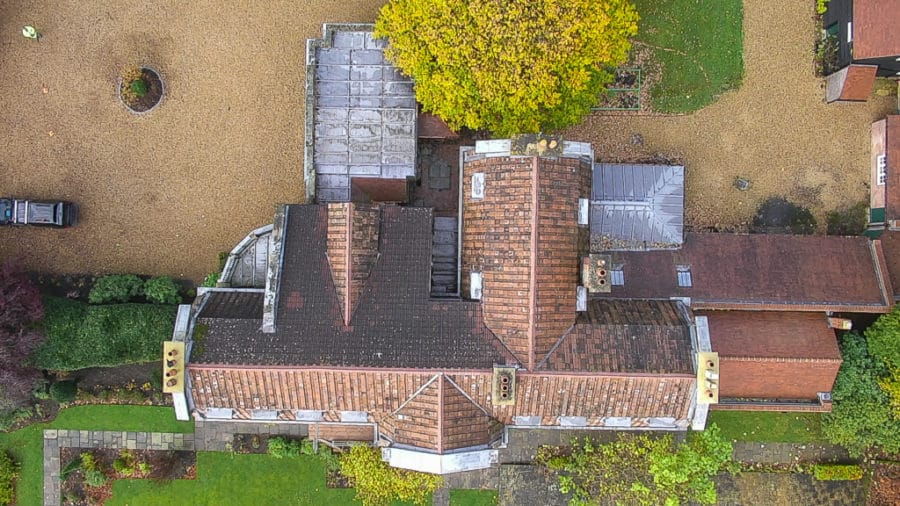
(475, 285)
(503, 391)
(478, 186)
(584, 207)
(707, 377)
(595, 273)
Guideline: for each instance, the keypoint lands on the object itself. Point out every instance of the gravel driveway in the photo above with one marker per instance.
(160, 194)
(775, 129)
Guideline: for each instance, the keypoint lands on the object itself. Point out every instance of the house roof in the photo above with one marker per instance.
(762, 272)
(890, 242)
(892, 160)
(626, 336)
(364, 113)
(523, 238)
(637, 207)
(382, 394)
(772, 334)
(394, 321)
(875, 31)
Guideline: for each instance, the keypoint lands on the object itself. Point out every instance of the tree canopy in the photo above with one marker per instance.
(508, 66)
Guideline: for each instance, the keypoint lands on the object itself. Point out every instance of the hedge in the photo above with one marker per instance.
(81, 335)
(116, 288)
(837, 472)
(8, 473)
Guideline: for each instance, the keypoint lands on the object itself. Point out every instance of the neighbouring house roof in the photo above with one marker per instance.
(246, 264)
(364, 112)
(637, 207)
(383, 394)
(762, 272)
(892, 160)
(890, 241)
(393, 321)
(626, 336)
(772, 334)
(524, 240)
(852, 83)
(875, 33)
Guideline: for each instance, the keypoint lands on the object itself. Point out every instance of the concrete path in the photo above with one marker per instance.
(56, 439)
(788, 453)
(219, 436)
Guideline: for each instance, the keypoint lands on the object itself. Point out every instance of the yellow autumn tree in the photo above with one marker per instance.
(508, 66)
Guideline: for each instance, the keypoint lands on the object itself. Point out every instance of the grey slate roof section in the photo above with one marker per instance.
(637, 207)
(364, 113)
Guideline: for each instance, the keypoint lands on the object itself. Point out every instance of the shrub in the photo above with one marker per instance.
(822, 6)
(21, 303)
(327, 457)
(71, 467)
(306, 447)
(210, 280)
(63, 391)
(377, 484)
(837, 472)
(8, 473)
(280, 447)
(10, 417)
(115, 288)
(93, 474)
(80, 335)
(848, 221)
(125, 464)
(469, 59)
(861, 417)
(161, 290)
(778, 216)
(139, 88)
(642, 469)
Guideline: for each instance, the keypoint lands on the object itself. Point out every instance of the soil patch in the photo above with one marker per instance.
(250, 443)
(120, 376)
(152, 92)
(162, 466)
(885, 489)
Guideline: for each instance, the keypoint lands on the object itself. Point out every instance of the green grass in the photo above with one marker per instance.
(473, 498)
(26, 445)
(697, 46)
(769, 427)
(223, 479)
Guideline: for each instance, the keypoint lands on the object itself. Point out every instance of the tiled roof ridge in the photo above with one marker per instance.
(416, 393)
(767, 305)
(332, 368)
(740, 358)
(351, 256)
(532, 276)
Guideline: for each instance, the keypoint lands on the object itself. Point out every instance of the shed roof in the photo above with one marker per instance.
(365, 113)
(772, 334)
(637, 206)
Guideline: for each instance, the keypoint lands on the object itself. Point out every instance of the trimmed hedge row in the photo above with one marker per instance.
(81, 335)
(837, 472)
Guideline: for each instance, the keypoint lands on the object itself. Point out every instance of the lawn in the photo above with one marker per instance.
(696, 47)
(769, 427)
(224, 479)
(26, 445)
(473, 498)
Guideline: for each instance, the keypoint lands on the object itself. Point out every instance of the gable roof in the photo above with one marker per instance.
(440, 417)
(395, 323)
(523, 238)
(637, 206)
(762, 272)
(626, 336)
(875, 31)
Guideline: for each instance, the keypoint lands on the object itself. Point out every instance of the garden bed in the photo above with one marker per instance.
(885, 487)
(157, 465)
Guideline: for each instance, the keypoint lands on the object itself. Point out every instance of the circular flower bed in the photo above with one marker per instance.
(141, 89)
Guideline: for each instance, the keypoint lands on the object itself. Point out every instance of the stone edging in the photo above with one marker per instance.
(54, 439)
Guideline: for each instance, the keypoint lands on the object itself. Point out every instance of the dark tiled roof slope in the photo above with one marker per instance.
(626, 336)
(760, 271)
(394, 324)
(773, 334)
(233, 305)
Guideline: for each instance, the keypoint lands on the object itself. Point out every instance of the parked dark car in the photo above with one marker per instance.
(34, 212)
